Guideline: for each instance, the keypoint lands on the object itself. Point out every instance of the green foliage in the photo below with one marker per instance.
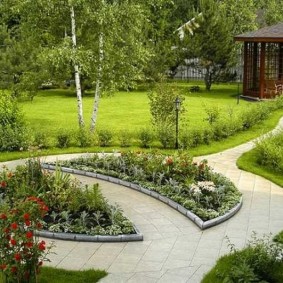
(260, 261)
(192, 185)
(279, 238)
(105, 137)
(83, 137)
(162, 104)
(125, 138)
(13, 131)
(63, 138)
(166, 135)
(145, 135)
(269, 152)
(212, 113)
(71, 208)
(58, 275)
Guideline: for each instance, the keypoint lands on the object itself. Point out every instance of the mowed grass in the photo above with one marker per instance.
(55, 109)
(58, 275)
(248, 162)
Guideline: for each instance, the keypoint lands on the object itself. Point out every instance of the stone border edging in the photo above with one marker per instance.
(91, 238)
(197, 220)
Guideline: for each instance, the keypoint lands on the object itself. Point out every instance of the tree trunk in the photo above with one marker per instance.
(77, 72)
(207, 78)
(98, 86)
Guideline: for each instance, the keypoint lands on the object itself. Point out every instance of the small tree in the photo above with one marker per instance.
(163, 111)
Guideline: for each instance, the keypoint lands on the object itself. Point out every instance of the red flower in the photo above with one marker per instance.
(38, 225)
(17, 257)
(3, 266)
(3, 184)
(3, 216)
(14, 226)
(13, 269)
(13, 242)
(27, 222)
(41, 245)
(26, 216)
(29, 244)
(29, 234)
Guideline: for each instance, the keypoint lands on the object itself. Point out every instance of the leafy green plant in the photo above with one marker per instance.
(105, 137)
(14, 134)
(145, 135)
(21, 253)
(63, 138)
(83, 137)
(194, 186)
(125, 137)
(71, 208)
(260, 261)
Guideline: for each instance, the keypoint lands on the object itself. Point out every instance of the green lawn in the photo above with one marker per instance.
(248, 163)
(52, 110)
(57, 275)
(55, 109)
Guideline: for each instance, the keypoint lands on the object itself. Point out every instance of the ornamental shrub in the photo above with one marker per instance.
(21, 252)
(145, 136)
(13, 130)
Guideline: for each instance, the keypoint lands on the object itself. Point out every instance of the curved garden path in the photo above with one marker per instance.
(174, 249)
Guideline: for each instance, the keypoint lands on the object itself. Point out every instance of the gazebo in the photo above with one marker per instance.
(263, 62)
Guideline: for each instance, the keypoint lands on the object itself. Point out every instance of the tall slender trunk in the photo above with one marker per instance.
(77, 72)
(98, 85)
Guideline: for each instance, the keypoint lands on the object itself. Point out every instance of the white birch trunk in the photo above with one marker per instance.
(77, 72)
(98, 86)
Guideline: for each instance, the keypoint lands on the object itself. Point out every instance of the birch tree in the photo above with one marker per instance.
(76, 69)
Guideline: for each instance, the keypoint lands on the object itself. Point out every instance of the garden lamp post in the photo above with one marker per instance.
(177, 103)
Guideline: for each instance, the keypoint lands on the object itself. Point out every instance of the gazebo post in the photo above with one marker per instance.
(245, 68)
(262, 70)
(255, 65)
(280, 75)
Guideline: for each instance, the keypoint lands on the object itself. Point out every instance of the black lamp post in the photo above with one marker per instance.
(177, 108)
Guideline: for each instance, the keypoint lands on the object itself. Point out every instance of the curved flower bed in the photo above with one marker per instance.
(71, 211)
(195, 187)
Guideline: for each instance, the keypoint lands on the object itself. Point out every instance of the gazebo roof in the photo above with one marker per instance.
(267, 34)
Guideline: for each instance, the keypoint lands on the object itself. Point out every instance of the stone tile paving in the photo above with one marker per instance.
(174, 249)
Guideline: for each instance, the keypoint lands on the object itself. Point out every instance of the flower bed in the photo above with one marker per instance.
(194, 186)
(71, 209)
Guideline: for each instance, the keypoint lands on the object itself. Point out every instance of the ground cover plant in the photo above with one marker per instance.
(260, 261)
(194, 186)
(71, 208)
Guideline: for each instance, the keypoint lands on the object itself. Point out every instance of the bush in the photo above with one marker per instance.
(261, 261)
(104, 137)
(269, 152)
(83, 138)
(145, 136)
(63, 138)
(125, 138)
(166, 135)
(14, 134)
(41, 140)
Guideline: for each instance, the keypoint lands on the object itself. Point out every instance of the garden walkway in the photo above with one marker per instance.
(174, 249)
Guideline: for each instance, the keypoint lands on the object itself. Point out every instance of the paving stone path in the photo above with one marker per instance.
(174, 249)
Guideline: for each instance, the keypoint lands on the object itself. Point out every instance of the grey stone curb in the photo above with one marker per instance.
(200, 223)
(91, 238)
